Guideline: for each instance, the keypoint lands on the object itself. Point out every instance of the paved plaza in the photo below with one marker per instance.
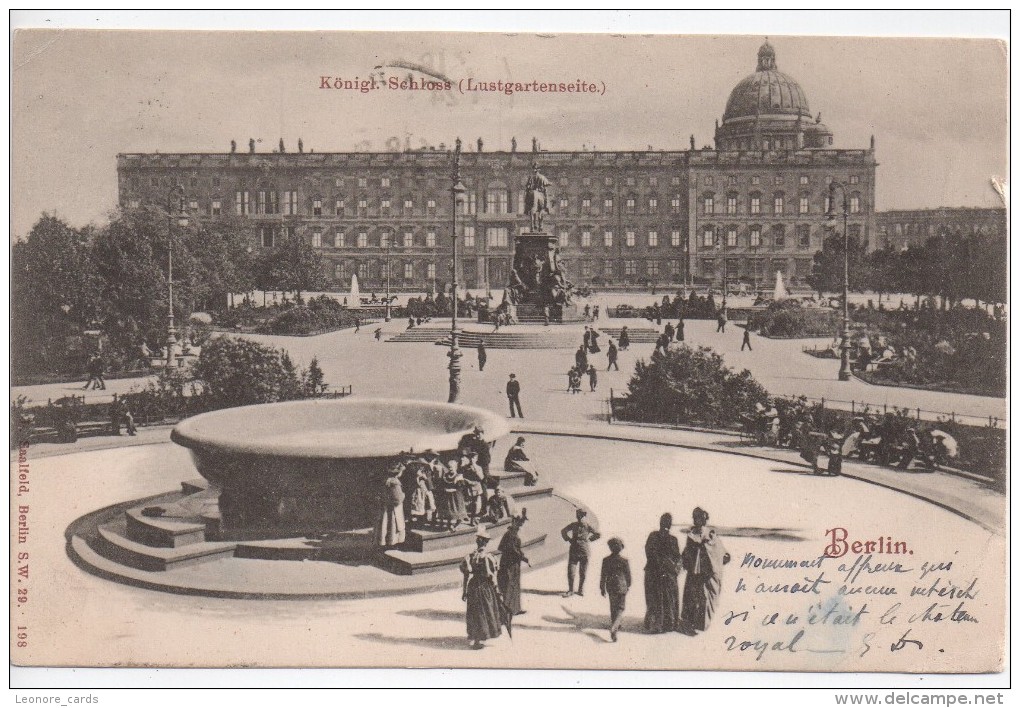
(762, 501)
(613, 477)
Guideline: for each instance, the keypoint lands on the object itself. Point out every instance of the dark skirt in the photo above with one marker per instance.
(662, 602)
(509, 579)
(450, 505)
(482, 610)
(699, 602)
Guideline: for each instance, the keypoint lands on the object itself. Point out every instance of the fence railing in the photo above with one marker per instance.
(855, 407)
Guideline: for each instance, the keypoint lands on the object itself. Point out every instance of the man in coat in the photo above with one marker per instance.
(513, 393)
(614, 354)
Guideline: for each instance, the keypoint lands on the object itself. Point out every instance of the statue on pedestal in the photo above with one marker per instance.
(536, 198)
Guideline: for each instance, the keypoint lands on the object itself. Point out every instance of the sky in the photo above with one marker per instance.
(937, 107)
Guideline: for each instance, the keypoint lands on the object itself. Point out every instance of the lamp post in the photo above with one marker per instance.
(457, 191)
(844, 349)
(182, 221)
(389, 266)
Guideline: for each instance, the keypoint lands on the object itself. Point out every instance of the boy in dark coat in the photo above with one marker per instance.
(614, 583)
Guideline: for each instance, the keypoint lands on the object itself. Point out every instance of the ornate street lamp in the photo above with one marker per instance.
(457, 191)
(181, 217)
(389, 267)
(844, 349)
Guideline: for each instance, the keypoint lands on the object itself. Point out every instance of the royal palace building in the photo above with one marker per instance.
(900, 229)
(753, 205)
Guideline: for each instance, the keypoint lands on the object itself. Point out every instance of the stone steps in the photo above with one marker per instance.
(112, 542)
(638, 335)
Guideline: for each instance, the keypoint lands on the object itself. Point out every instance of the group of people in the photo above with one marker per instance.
(443, 493)
(591, 312)
(492, 585)
(885, 440)
(95, 367)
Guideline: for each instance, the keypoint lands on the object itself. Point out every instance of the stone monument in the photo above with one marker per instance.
(538, 289)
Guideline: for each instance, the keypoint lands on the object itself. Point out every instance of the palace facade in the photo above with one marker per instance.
(900, 229)
(753, 205)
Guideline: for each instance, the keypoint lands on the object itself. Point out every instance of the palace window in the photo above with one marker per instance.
(674, 238)
(564, 203)
(339, 240)
(777, 180)
(731, 236)
(586, 205)
(674, 266)
(630, 181)
(608, 181)
(316, 239)
(499, 236)
(653, 205)
(430, 205)
(362, 207)
(241, 203)
(755, 237)
(215, 208)
(384, 207)
(755, 179)
(193, 205)
(778, 203)
(586, 269)
(710, 181)
(340, 271)
(497, 201)
(363, 270)
(675, 181)
(708, 237)
(630, 205)
(430, 239)
(385, 239)
(607, 268)
(631, 239)
(804, 179)
(317, 207)
(409, 271)
(469, 236)
(432, 271)
(855, 203)
(408, 239)
(855, 179)
(607, 239)
(779, 236)
(803, 207)
(653, 181)
(731, 203)
(709, 202)
(362, 239)
(267, 236)
(803, 236)
(674, 205)
(408, 207)
(133, 204)
(585, 239)
(339, 209)
(362, 182)
(564, 239)
(731, 180)
(290, 207)
(630, 267)
(385, 182)
(608, 206)
(653, 268)
(653, 239)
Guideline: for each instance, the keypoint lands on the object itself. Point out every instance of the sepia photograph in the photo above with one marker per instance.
(509, 350)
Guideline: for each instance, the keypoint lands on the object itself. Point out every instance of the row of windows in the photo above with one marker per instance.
(755, 236)
(733, 268)
(732, 180)
(779, 203)
(387, 182)
(495, 237)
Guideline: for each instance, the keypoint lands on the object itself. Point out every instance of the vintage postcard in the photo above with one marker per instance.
(454, 350)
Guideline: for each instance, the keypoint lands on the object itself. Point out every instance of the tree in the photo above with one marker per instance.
(221, 258)
(881, 270)
(56, 294)
(240, 372)
(691, 385)
(827, 269)
(293, 266)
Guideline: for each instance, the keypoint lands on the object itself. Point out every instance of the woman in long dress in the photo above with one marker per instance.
(511, 555)
(662, 596)
(423, 501)
(450, 501)
(483, 606)
(390, 529)
(703, 559)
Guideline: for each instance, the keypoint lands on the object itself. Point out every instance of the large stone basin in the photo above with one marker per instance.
(311, 467)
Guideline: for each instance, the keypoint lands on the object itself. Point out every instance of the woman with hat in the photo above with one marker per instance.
(511, 555)
(703, 558)
(483, 605)
(450, 501)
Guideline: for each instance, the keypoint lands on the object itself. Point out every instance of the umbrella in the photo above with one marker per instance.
(952, 447)
(506, 615)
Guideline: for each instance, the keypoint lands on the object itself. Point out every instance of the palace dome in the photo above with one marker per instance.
(767, 91)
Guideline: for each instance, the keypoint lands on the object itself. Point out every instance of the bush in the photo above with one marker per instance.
(787, 318)
(688, 385)
(239, 372)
